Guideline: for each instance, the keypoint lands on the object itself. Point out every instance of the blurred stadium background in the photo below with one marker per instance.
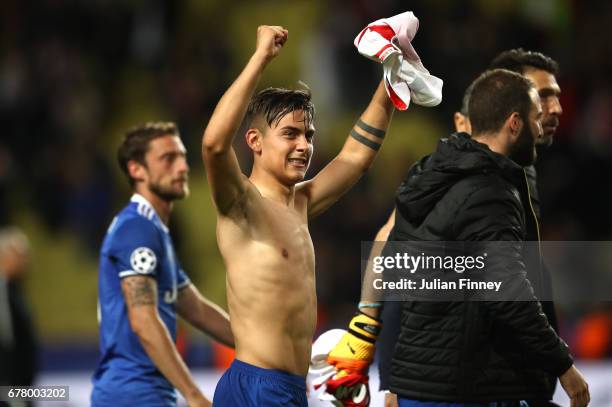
(75, 74)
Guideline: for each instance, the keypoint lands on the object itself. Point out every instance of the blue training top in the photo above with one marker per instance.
(137, 243)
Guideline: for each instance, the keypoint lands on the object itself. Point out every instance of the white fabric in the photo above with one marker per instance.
(388, 41)
(318, 361)
(321, 348)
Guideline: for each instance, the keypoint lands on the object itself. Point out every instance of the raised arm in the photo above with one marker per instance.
(355, 158)
(204, 315)
(222, 168)
(354, 353)
(140, 294)
(370, 303)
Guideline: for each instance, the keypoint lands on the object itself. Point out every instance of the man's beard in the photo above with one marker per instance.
(545, 141)
(547, 138)
(168, 193)
(523, 152)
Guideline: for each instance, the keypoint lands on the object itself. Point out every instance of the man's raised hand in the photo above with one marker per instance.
(270, 39)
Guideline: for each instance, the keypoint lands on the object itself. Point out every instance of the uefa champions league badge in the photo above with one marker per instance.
(143, 260)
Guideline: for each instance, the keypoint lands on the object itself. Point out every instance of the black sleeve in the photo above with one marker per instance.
(548, 306)
(391, 324)
(494, 214)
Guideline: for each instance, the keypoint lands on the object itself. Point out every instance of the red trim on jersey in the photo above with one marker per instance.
(380, 51)
(384, 30)
(397, 102)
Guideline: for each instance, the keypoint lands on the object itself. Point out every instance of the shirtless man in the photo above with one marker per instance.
(262, 227)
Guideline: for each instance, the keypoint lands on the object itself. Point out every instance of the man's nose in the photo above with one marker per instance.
(183, 166)
(554, 106)
(302, 143)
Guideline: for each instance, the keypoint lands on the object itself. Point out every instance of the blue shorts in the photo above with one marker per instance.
(245, 385)
(402, 402)
(122, 397)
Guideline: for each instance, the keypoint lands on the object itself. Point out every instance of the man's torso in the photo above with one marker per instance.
(270, 283)
(137, 243)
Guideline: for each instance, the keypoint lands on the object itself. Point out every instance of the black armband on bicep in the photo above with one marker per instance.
(369, 129)
(365, 141)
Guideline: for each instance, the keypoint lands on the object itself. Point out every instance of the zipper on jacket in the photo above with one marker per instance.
(537, 225)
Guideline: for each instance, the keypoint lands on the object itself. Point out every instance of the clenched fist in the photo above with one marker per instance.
(270, 39)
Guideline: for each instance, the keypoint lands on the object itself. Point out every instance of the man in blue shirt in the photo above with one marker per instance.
(140, 274)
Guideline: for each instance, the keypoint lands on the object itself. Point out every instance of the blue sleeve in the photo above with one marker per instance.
(136, 248)
(391, 320)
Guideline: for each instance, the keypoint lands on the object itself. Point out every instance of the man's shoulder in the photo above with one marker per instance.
(487, 186)
(487, 207)
(254, 206)
(136, 217)
(132, 225)
(489, 181)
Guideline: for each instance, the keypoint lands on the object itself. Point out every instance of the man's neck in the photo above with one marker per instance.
(162, 207)
(493, 141)
(270, 188)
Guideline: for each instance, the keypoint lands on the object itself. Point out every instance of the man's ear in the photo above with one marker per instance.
(253, 137)
(460, 122)
(137, 171)
(515, 124)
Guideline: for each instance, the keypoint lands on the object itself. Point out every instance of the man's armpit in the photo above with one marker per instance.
(139, 290)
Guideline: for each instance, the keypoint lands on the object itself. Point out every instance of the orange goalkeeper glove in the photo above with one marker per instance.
(355, 351)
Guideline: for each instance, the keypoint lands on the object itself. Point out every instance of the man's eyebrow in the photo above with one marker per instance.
(292, 128)
(545, 92)
(173, 153)
(309, 133)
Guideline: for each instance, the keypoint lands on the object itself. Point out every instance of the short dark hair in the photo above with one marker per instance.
(519, 60)
(495, 96)
(136, 143)
(465, 102)
(272, 104)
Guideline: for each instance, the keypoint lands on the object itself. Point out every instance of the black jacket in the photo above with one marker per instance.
(392, 310)
(473, 351)
(545, 291)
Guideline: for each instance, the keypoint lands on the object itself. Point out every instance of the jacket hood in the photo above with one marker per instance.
(456, 157)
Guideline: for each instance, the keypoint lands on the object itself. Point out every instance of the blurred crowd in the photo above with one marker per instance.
(75, 74)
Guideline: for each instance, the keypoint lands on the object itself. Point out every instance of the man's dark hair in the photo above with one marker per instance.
(519, 60)
(465, 102)
(136, 143)
(495, 96)
(272, 104)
